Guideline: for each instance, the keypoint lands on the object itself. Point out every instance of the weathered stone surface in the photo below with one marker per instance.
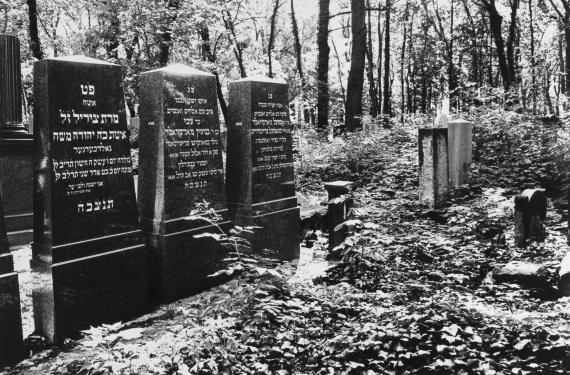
(88, 248)
(460, 150)
(433, 167)
(564, 276)
(260, 173)
(180, 164)
(337, 188)
(529, 275)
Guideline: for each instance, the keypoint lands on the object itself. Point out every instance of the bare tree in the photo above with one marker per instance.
(323, 65)
(353, 108)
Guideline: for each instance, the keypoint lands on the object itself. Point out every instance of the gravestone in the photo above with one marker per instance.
(529, 217)
(88, 250)
(16, 147)
(441, 121)
(460, 150)
(11, 340)
(260, 176)
(339, 204)
(433, 167)
(180, 164)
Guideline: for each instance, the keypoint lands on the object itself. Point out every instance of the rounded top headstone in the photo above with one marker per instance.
(180, 69)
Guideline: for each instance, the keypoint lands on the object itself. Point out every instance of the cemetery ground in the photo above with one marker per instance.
(411, 292)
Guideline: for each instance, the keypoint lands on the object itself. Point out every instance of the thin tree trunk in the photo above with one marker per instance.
(495, 22)
(323, 65)
(165, 40)
(380, 62)
(271, 42)
(35, 44)
(207, 55)
(532, 60)
(387, 108)
(353, 108)
(238, 50)
(561, 60)
(339, 73)
(402, 61)
(370, 71)
(299, 59)
(511, 40)
(567, 37)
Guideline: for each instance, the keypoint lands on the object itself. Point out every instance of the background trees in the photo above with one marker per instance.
(345, 60)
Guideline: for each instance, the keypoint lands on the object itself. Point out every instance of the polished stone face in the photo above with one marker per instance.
(88, 249)
(180, 158)
(260, 173)
(271, 141)
(89, 157)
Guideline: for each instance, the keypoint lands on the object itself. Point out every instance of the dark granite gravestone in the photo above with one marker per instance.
(11, 340)
(180, 165)
(260, 175)
(529, 217)
(88, 249)
(433, 167)
(16, 146)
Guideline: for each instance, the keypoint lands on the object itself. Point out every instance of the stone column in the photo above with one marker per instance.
(260, 176)
(11, 340)
(433, 167)
(460, 150)
(180, 166)
(16, 146)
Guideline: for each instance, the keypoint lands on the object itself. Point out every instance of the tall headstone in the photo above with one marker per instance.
(260, 175)
(460, 150)
(441, 121)
(529, 216)
(16, 147)
(11, 340)
(180, 166)
(88, 250)
(433, 167)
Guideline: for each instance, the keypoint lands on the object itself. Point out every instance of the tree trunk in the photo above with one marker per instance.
(238, 50)
(561, 60)
(567, 37)
(353, 109)
(271, 42)
(35, 44)
(379, 64)
(323, 65)
(511, 41)
(207, 55)
(165, 40)
(299, 59)
(402, 61)
(370, 70)
(387, 108)
(495, 21)
(339, 73)
(532, 60)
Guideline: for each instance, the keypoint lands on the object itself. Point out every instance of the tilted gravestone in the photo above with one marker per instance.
(460, 134)
(529, 217)
(433, 167)
(260, 175)
(180, 164)
(16, 147)
(11, 344)
(88, 249)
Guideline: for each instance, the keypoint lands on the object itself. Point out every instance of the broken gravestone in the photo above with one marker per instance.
(530, 213)
(339, 204)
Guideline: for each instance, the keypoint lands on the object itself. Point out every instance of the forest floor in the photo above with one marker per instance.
(412, 294)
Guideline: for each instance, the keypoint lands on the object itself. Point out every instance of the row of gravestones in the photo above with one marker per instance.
(96, 262)
(445, 155)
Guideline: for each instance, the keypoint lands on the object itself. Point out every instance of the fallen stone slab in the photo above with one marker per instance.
(528, 275)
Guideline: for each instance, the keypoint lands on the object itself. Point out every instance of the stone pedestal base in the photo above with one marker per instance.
(180, 264)
(433, 167)
(460, 150)
(11, 340)
(84, 288)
